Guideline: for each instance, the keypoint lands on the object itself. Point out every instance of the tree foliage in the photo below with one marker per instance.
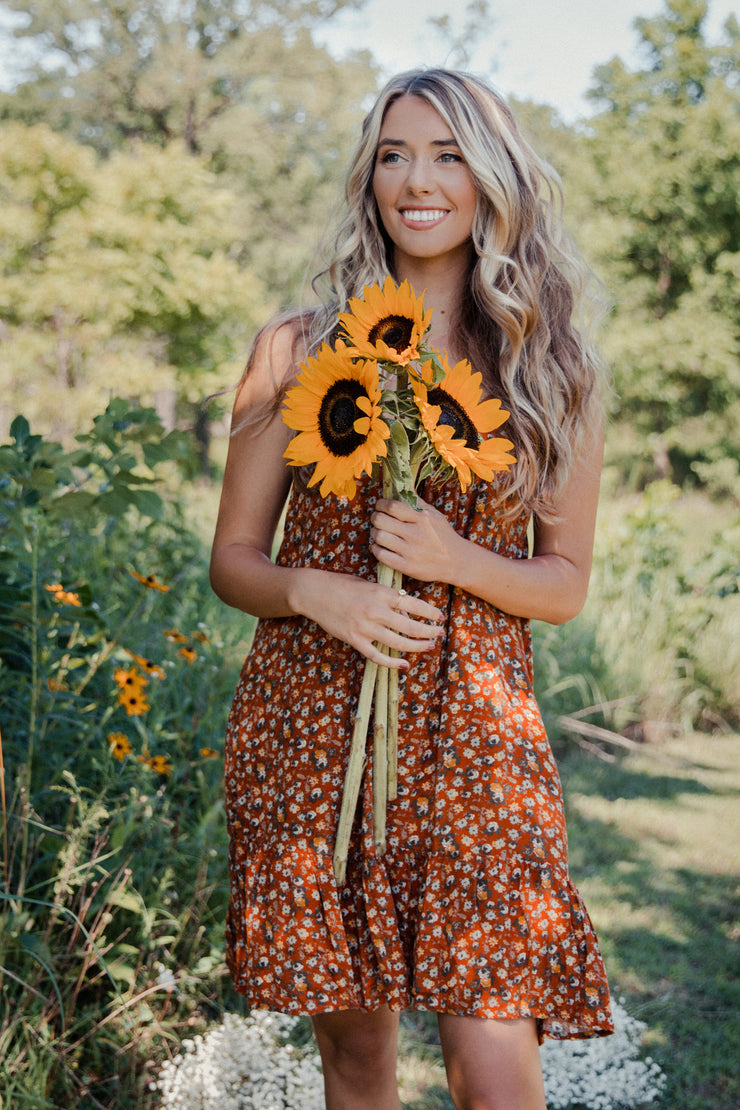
(117, 276)
(220, 129)
(665, 158)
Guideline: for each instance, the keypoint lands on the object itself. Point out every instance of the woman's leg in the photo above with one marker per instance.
(491, 1064)
(359, 1052)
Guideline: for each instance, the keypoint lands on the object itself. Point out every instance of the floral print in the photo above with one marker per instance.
(471, 909)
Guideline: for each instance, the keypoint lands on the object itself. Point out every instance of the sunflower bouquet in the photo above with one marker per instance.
(380, 400)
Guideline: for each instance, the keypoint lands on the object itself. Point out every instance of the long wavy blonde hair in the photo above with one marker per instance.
(520, 326)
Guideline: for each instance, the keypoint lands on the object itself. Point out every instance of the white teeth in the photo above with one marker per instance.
(423, 216)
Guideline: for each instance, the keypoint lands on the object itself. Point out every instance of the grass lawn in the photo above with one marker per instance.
(655, 851)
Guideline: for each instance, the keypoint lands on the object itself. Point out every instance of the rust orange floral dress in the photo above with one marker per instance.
(471, 909)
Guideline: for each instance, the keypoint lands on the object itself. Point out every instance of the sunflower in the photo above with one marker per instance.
(335, 408)
(455, 420)
(387, 323)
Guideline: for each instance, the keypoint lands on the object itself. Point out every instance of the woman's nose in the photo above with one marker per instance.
(419, 177)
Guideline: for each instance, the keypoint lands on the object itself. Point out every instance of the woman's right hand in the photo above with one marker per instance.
(365, 614)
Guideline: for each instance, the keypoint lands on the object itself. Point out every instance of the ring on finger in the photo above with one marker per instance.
(397, 606)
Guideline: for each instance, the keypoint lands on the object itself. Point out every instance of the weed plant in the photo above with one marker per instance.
(113, 690)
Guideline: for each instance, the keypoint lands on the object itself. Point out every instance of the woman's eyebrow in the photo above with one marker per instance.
(402, 142)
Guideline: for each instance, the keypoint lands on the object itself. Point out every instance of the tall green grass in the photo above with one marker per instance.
(656, 649)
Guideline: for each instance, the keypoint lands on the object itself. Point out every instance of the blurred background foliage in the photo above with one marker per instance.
(165, 172)
(167, 169)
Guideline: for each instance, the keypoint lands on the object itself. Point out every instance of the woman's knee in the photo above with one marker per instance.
(492, 1065)
(352, 1040)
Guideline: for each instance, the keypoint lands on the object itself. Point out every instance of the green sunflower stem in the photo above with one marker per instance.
(380, 722)
(353, 775)
(380, 759)
(393, 699)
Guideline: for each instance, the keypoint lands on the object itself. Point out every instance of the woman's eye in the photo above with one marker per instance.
(390, 158)
(450, 156)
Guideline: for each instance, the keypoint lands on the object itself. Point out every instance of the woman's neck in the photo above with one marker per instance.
(443, 286)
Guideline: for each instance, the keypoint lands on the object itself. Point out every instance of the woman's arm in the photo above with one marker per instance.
(256, 484)
(551, 586)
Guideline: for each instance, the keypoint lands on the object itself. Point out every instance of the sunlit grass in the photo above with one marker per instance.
(654, 850)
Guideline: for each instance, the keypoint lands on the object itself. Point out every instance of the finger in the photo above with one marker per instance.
(406, 644)
(384, 540)
(373, 649)
(401, 510)
(401, 602)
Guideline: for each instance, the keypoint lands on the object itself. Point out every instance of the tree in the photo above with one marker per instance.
(116, 276)
(665, 152)
(222, 129)
(240, 82)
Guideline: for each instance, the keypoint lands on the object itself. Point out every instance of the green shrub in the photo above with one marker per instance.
(114, 685)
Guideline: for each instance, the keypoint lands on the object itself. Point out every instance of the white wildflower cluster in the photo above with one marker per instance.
(601, 1073)
(243, 1064)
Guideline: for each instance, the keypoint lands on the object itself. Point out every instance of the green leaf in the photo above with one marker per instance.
(20, 430)
(72, 505)
(122, 972)
(148, 503)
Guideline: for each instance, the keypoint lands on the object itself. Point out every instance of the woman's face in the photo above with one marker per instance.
(423, 187)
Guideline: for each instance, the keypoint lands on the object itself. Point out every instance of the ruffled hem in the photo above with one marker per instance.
(482, 938)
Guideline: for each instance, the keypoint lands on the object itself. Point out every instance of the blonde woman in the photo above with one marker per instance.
(470, 911)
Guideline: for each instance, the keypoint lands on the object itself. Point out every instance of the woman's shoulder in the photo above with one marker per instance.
(285, 338)
(278, 350)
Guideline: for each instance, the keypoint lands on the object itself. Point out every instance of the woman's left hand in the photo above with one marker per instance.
(421, 542)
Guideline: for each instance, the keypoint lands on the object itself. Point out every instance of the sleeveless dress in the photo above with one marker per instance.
(471, 909)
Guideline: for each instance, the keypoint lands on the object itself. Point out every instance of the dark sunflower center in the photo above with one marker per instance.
(454, 415)
(394, 331)
(337, 416)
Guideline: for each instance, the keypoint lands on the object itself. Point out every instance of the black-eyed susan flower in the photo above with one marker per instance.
(200, 637)
(188, 654)
(120, 745)
(161, 765)
(174, 636)
(146, 665)
(134, 702)
(150, 580)
(209, 753)
(335, 408)
(455, 420)
(67, 597)
(129, 678)
(388, 323)
(158, 763)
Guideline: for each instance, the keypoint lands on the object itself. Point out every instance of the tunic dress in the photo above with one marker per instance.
(471, 909)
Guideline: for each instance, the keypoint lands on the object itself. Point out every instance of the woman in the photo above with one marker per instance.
(470, 911)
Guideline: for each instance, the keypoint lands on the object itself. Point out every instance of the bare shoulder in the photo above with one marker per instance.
(276, 355)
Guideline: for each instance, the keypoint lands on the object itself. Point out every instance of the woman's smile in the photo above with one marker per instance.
(423, 216)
